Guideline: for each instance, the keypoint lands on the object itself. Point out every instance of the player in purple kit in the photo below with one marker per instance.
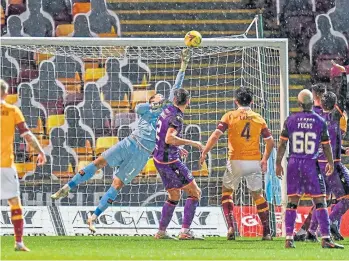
(338, 183)
(306, 131)
(174, 173)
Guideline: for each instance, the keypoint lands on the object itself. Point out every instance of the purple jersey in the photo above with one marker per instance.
(318, 109)
(305, 132)
(172, 117)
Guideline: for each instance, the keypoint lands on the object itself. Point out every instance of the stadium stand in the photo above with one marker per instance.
(69, 78)
(37, 22)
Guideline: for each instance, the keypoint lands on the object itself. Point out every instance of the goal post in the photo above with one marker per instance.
(79, 94)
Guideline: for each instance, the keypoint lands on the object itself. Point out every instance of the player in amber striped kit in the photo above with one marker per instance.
(11, 118)
(244, 130)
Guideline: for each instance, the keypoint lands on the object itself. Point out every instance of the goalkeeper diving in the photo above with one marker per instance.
(132, 153)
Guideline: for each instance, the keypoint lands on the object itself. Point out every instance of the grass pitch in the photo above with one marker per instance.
(146, 248)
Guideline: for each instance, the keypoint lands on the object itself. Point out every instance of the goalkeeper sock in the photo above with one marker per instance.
(84, 175)
(166, 214)
(189, 212)
(228, 209)
(17, 222)
(263, 213)
(106, 200)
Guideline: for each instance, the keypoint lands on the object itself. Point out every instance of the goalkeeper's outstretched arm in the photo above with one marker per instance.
(185, 57)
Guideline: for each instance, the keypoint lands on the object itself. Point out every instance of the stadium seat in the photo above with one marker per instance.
(11, 98)
(79, 8)
(72, 85)
(59, 10)
(15, 7)
(92, 75)
(203, 172)
(104, 143)
(37, 22)
(91, 63)
(64, 30)
(149, 169)
(2, 17)
(74, 98)
(28, 75)
(84, 153)
(23, 168)
(64, 174)
(39, 57)
(141, 96)
(54, 121)
(108, 35)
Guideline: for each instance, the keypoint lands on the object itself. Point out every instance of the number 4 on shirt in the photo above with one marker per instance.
(246, 131)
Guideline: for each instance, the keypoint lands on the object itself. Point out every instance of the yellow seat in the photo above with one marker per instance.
(64, 30)
(92, 75)
(2, 16)
(72, 85)
(108, 35)
(203, 172)
(149, 168)
(69, 173)
(118, 104)
(104, 143)
(39, 130)
(141, 96)
(25, 167)
(81, 8)
(85, 153)
(39, 57)
(11, 98)
(54, 121)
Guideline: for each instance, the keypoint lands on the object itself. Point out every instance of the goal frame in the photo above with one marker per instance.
(280, 44)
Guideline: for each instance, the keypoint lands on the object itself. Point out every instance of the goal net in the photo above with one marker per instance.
(78, 97)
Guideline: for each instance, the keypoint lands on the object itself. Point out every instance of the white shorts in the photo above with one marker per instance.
(9, 183)
(238, 169)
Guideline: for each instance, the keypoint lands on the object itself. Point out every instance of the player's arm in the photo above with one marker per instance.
(171, 135)
(142, 108)
(185, 57)
(326, 146)
(269, 145)
(172, 139)
(29, 137)
(281, 150)
(213, 139)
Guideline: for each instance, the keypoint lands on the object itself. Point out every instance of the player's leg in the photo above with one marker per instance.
(339, 182)
(106, 201)
(253, 175)
(294, 190)
(301, 234)
(112, 157)
(231, 180)
(191, 203)
(10, 192)
(133, 161)
(315, 187)
(172, 185)
(290, 219)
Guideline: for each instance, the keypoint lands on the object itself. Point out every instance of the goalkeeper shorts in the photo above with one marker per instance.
(238, 169)
(9, 183)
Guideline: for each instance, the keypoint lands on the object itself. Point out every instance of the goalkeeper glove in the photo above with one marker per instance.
(185, 57)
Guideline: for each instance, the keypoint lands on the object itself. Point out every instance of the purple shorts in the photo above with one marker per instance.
(338, 183)
(174, 175)
(304, 178)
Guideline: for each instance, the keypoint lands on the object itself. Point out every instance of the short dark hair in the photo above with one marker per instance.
(244, 96)
(181, 96)
(328, 101)
(151, 98)
(319, 89)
